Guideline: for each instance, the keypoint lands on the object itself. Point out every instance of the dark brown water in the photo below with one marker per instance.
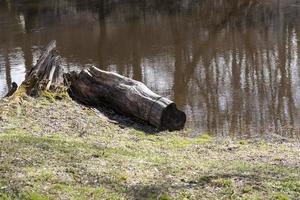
(232, 65)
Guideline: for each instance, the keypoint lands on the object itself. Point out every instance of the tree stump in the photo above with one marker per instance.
(46, 73)
(44, 76)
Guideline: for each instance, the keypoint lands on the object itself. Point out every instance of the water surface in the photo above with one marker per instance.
(231, 65)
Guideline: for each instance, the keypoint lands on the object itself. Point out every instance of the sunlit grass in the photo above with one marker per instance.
(60, 150)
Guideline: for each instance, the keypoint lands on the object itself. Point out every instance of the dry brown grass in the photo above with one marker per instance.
(61, 150)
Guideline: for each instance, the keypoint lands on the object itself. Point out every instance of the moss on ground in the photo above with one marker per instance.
(53, 149)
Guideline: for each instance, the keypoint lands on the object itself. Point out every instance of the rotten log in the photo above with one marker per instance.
(95, 87)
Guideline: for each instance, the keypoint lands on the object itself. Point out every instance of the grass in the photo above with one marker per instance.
(53, 149)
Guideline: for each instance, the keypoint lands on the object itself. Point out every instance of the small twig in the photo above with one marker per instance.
(14, 87)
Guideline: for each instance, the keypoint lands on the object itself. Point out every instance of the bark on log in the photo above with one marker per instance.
(93, 86)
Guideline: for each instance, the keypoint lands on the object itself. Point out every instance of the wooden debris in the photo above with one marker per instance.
(95, 87)
(13, 89)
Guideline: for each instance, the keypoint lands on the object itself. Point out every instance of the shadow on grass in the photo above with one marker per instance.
(123, 120)
(120, 119)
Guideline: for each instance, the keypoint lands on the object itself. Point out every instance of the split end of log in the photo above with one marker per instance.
(172, 118)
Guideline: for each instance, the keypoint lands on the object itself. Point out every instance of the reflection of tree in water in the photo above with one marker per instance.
(241, 40)
(7, 70)
(233, 59)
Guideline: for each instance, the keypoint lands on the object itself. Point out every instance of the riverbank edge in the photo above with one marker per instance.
(58, 149)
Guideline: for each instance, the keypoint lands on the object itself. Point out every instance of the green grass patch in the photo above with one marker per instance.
(53, 149)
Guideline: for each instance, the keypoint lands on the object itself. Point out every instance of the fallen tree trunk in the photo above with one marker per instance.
(93, 87)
